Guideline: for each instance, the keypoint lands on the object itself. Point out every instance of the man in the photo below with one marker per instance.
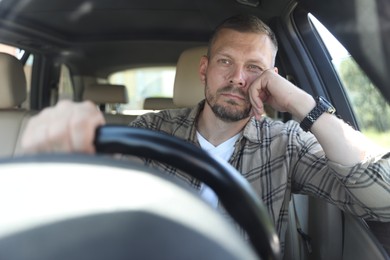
(318, 154)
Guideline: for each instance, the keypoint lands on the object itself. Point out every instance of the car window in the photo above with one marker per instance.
(369, 106)
(18, 53)
(142, 83)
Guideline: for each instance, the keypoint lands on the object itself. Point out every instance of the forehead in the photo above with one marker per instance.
(243, 44)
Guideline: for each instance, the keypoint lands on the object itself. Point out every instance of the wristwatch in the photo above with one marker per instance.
(322, 106)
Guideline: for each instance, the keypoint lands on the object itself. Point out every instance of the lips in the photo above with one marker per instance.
(233, 95)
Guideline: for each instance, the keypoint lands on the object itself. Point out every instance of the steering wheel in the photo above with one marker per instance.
(233, 191)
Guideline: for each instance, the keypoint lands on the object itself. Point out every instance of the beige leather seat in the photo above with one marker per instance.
(103, 94)
(12, 94)
(106, 94)
(188, 90)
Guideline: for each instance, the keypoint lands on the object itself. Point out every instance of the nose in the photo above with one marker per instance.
(237, 77)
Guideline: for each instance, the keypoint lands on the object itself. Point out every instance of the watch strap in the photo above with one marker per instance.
(322, 106)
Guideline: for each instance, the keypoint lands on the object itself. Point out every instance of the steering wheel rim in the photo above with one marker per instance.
(197, 163)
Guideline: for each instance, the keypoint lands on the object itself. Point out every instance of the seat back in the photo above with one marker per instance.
(106, 94)
(158, 103)
(13, 82)
(103, 94)
(188, 89)
(12, 94)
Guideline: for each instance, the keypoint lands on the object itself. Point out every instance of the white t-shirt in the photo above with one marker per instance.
(222, 153)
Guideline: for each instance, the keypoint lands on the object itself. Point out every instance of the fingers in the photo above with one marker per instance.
(274, 90)
(256, 100)
(259, 95)
(84, 142)
(280, 94)
(67, 127)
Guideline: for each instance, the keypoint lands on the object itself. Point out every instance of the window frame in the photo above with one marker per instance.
(321, 62)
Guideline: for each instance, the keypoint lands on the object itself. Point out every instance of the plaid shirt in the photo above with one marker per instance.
(280, 158)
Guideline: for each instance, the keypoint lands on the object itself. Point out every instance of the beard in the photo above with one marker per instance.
(231, 111)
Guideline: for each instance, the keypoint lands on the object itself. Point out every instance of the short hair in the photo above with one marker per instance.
(244, 23)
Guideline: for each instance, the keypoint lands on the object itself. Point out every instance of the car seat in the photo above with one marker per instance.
(13, 92)
(103, 94)
(188, 89)
(158, 103)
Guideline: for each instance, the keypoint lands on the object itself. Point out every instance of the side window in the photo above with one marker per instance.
(142, 83)
(18, 53)
(371, 110)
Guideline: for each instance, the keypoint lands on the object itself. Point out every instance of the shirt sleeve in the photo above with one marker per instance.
(139, 122)
(362, 189)
(368, 183)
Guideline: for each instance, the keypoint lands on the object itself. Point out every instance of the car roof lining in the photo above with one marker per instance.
(171, 20)
(98, 19)
(100, 26)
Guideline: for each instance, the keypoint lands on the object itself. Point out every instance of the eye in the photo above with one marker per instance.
(254, 68)
(224, 61)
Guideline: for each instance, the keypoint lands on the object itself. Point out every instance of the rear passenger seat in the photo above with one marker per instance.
(158, 103)
(102, 94)
(13, 119)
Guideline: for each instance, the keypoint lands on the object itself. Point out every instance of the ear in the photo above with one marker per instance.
(204, 61)
(276, 70)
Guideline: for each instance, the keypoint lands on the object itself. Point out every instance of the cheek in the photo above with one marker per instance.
(217, 75)
(251, 77)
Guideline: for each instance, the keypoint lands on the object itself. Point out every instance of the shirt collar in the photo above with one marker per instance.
(193, 117)
(253, 130)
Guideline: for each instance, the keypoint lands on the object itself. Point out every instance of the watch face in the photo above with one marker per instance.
(322, 106)
(327, 105)
(331, 110)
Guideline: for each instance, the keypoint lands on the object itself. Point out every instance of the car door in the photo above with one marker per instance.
(324, 231)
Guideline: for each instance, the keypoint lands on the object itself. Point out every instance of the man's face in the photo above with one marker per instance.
(236, 60)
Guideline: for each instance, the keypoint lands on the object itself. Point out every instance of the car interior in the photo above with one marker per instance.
(69, 49)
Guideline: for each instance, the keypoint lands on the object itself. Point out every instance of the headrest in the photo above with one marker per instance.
(13, 86)
(106, 94)
(188, 89)
(158, 103)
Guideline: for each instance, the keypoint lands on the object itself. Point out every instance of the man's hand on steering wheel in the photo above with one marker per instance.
(66, 127)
